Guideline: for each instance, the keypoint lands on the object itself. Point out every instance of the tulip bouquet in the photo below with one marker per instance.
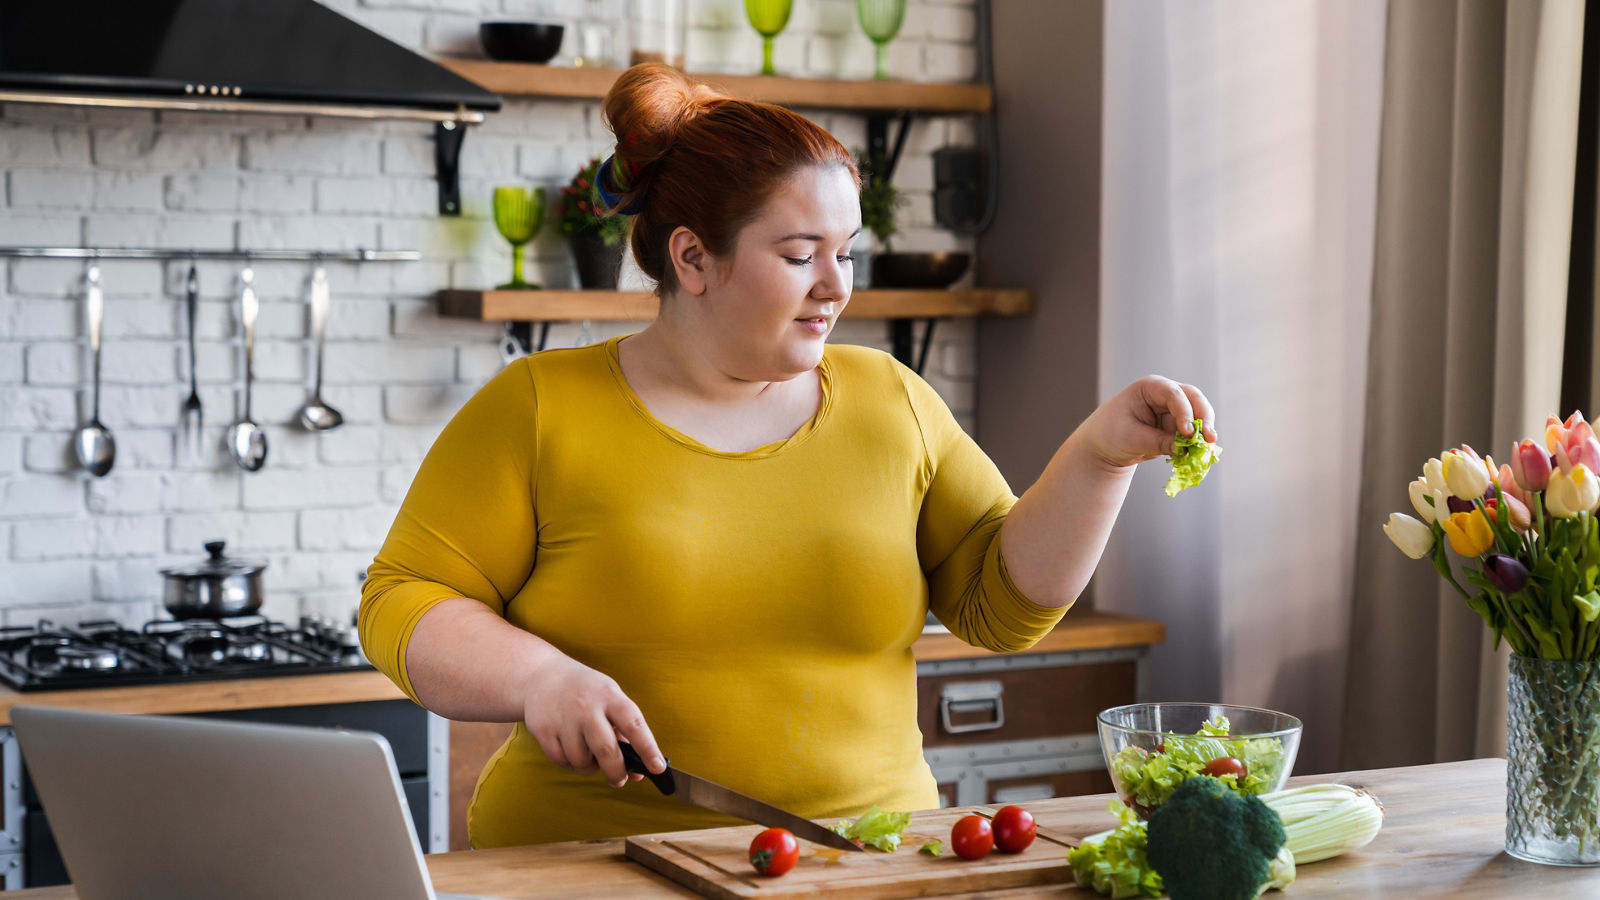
(1529, 542)
(1531, 528)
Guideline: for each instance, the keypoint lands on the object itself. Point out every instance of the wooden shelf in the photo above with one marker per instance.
(539, 80)
(630, 306)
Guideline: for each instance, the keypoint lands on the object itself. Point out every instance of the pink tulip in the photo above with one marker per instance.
(1507, 480)
(1583, 451)
(1530, 466)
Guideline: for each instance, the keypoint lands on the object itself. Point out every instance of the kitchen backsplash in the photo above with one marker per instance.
(73, 547)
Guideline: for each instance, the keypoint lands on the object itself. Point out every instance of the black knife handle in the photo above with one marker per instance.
(631, 760)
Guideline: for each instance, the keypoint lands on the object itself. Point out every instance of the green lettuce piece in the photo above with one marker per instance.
(876, 828)
(1191, 456)
(1113, 863)
(932, 848)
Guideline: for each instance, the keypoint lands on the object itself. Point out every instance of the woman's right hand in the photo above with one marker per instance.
(578, 714)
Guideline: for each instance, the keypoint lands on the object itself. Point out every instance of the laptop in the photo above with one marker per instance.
(196, 809)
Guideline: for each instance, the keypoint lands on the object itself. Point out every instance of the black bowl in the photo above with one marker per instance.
(918, 270)
(532, 42)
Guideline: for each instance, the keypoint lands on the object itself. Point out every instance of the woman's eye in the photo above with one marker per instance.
(798, 261)
(846, 259)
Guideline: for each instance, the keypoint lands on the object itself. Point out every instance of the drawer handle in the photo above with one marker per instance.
(972, 696)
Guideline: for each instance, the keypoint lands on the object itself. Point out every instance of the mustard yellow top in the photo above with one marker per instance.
(758, 606)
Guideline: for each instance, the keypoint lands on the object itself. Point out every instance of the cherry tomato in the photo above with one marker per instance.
(1160, 748)
(1224, 765)
(1014, 829)
(774, 851)
(972, 838)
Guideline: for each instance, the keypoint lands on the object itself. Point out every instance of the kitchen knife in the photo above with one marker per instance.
(713, 796)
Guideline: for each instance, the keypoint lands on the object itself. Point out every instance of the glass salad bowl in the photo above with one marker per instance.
(1151, 748)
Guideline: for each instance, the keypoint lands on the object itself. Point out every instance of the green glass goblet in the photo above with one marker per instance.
(768, 18)
(881, 20)
(518, 213)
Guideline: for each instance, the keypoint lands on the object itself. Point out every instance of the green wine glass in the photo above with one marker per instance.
(518, 213)
(768, 18)
(881, 20)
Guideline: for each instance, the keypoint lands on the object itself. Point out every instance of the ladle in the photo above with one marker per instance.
(246, 441)
(316, 415)
(95, 446)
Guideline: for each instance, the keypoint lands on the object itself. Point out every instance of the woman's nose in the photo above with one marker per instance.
(833, 281)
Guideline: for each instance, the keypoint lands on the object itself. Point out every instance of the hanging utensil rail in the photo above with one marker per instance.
(256, 255)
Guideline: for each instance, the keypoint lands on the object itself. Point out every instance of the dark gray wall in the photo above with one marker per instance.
(1037, 376)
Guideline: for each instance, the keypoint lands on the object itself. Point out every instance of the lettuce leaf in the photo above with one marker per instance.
(1192, 455)
(932, 848)
(1113, 863)
(876, 828)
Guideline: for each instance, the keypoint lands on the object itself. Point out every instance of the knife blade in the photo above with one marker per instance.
(710, 795)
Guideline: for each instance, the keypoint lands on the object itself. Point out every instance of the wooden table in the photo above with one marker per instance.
(1444, 837)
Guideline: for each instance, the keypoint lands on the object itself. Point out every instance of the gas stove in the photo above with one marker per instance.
(48, 656)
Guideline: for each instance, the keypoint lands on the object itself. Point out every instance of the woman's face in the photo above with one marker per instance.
(771, 303)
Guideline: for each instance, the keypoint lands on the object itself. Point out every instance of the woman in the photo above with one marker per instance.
(718, 538)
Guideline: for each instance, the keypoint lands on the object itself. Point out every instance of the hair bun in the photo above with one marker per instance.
(648, 105)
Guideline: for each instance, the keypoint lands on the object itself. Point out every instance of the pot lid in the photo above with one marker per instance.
(216, 565)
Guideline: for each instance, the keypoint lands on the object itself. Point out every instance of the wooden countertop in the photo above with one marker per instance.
(1444, 837)
(1083, 630)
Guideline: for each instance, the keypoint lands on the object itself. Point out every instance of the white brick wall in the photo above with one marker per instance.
(72, 547)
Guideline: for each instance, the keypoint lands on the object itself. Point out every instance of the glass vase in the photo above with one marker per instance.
(1553, 762)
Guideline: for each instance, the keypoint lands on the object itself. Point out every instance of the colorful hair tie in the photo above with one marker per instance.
(615, 180)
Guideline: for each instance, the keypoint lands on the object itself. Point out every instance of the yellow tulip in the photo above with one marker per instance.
(1414, 538)
(1469, 532)
(1572, 492)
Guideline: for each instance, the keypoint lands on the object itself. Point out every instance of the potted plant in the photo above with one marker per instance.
(597, 241)
(880, 205)
(880, 200)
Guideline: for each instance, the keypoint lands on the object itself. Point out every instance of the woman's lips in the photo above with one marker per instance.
(814, 324)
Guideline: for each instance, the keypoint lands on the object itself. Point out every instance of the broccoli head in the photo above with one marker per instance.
(1209, 842)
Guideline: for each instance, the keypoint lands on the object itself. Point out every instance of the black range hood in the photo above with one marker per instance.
(274, 56)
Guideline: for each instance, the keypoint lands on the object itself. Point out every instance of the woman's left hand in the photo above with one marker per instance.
(1143, 419)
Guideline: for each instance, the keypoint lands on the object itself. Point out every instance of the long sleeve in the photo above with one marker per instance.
(958, 533)
(467, 526)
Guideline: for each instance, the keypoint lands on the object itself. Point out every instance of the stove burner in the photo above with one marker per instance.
(105, 653)
(211, 646)
(90, 659)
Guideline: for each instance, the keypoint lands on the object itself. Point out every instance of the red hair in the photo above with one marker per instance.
(703, 160)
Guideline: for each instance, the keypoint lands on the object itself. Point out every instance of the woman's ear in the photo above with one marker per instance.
(690, 261)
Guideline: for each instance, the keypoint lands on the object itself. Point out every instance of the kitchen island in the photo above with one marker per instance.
(1443, 837)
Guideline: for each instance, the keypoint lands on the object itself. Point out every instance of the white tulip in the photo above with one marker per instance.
(1414, 538)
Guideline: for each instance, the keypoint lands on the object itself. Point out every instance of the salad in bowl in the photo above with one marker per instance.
(1151, 748)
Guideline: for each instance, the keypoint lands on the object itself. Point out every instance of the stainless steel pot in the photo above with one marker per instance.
(214, 588)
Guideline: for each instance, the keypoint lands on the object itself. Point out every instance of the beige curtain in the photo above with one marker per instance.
(1474, 241)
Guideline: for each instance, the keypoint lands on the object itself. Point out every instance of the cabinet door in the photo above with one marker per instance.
(471, 745)
(1001, 791)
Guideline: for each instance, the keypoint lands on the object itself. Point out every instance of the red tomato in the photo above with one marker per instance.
(1224, 765)
(1014, 829)
(774, 851)
(972, 838)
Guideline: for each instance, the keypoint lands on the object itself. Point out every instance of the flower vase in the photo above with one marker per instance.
(1553, 762)
(598, 263)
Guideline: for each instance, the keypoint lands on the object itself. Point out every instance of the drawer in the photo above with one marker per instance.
(1020, 704)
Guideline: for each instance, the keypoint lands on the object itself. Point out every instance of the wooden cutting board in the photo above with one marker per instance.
(716, 863)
